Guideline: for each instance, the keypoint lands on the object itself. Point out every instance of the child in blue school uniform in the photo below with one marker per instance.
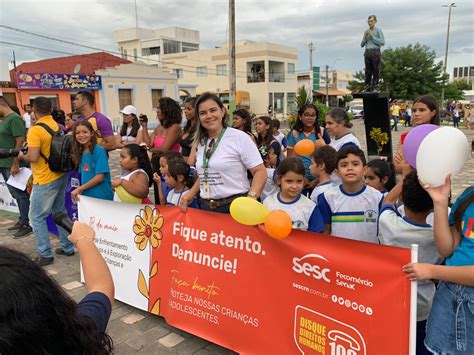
(302, 211)
(93, 164)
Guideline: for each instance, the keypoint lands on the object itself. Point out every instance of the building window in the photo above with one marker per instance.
(178, 72)
(201, 71)
(455, 74)
(221, 70)
(471, 70)
(125, 97)
(466, 71)
(156, 95)
(278, 104)
(256, 72)
(189, 47)
(170, 47)
(135, 54)
(124, 56)
(290, 102)
(277, 71)
(291, 68)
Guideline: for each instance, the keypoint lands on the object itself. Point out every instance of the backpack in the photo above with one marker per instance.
(60, 155)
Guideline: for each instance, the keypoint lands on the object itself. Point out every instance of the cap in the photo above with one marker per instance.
(129, 109)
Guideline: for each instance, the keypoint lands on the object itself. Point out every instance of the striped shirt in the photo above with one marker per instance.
(351, 215)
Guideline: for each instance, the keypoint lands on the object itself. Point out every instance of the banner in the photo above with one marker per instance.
(58, 81)
(237, 287)
(7, 202)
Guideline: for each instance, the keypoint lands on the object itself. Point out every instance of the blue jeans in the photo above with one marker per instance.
(46, 199)
(21, 197)
(450, 327)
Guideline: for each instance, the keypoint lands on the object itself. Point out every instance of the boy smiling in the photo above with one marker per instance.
(351, 209)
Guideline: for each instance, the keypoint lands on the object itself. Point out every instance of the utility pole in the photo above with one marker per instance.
(136, 15)
(446, 49)
(311, 74)
(232, 78)
(327, 85)
(14, 61)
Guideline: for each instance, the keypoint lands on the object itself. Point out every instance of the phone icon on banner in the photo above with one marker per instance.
(317, 333)
(342, 343)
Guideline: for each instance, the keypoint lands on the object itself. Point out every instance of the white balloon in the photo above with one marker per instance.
(444, 151)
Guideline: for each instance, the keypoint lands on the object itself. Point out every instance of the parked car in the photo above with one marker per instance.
(357, 111)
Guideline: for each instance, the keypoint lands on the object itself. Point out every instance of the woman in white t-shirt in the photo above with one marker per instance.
(338, 126)
(223, 157)
(131, 131)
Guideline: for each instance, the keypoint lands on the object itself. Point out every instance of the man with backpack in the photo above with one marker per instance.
(49, 186)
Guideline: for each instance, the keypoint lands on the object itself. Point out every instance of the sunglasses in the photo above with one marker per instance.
(209, 149)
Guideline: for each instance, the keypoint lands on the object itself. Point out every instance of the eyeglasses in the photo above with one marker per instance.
(209, 149)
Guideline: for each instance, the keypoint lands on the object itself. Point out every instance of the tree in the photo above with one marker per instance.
(408, 72)
(357, 85)
(453, 92)
(301, 99)
(462, 84)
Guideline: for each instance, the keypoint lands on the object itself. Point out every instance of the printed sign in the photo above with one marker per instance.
(58, 81)
(235, 286)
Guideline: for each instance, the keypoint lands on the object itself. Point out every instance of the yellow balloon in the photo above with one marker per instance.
(125, 196)
(248, 211)
(304, 147)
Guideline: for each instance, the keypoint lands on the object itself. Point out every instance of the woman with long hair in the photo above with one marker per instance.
(38, 317)
(187, 138)
(131, 130)
(243, 121)
(307, 127)
(265, 139)
(223, 157)
(425, 110)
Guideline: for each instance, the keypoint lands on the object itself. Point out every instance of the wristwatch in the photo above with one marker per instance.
(252, 194)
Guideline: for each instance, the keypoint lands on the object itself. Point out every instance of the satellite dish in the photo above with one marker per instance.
(77, 68)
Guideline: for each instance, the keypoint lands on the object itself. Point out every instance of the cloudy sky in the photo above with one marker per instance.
(334, 26)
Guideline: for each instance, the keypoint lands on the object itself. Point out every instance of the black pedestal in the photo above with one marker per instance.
(376, 115)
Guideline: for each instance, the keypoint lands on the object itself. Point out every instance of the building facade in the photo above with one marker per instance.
(464, 73)
(266, 71)
(148, 46)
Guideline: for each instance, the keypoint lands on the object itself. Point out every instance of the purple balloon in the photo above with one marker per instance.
(413, 140)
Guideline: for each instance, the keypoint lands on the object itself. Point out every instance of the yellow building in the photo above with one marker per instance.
(265, 70)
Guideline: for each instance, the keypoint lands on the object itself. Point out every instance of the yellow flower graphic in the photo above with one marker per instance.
(147, 227)
(380, 138)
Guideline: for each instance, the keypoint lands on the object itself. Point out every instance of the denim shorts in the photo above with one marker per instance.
(450, 328)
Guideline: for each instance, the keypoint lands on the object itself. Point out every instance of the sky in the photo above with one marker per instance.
(334, 26)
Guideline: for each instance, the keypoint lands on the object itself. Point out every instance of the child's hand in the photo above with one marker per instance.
(439, 194)
(406, 169)
(75, 194)
(116, 182)
(156, 178)
(418, 272)
(319, 142)
(400, 159)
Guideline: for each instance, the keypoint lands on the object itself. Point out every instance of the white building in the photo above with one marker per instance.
(265, 70)
(140, 44)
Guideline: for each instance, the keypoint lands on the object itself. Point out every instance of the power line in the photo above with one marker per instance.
(243, 73)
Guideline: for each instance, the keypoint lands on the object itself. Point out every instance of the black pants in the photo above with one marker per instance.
(372, 66)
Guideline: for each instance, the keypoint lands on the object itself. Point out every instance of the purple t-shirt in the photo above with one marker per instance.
(101, 124)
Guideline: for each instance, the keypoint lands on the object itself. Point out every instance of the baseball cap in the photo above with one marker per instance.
(129, 109)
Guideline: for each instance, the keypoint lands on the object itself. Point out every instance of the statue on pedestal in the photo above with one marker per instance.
(373, 40)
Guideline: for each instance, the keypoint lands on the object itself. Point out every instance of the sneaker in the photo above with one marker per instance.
(59, 251)
(41, 261)
(23, 231)
(15, 227)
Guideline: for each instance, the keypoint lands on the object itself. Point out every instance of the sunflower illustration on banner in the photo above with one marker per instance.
(148, 235)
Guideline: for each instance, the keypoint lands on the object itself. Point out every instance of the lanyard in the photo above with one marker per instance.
(205, 161)
(207, 154)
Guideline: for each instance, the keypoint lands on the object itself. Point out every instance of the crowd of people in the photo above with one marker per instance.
(209, 164)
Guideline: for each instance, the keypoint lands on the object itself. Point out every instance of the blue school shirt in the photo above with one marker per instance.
(463, 255)
(91, 165)
(173, 198)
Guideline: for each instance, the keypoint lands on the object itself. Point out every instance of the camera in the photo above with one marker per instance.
(9, 153)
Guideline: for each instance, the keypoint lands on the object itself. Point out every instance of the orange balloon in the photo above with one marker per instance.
(278, 224)
(304, 147)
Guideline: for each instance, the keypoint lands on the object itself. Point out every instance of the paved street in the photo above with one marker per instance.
(135, 331)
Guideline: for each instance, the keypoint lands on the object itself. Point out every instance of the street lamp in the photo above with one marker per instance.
(446, 49)
(311, 49)
(327, 79)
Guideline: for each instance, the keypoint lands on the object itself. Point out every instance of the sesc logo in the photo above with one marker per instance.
(307, 265)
